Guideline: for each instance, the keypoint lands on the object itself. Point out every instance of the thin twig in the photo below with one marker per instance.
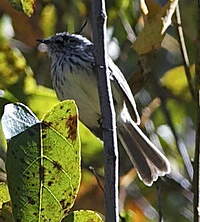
(196, 181)
(158, 187)
(196, 178)
(184, 53)
(181, 149)
(97, 178)
(131, 36)
(108, 112)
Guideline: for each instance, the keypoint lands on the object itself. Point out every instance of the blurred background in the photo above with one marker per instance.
(155, 72)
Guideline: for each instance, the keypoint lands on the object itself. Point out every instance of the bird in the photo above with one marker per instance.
(74, 77)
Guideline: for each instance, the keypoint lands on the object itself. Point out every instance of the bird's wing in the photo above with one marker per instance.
(117, 75)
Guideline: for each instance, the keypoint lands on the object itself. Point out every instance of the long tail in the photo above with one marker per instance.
(145, 156)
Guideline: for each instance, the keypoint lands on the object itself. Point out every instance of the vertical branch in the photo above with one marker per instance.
(107, 110)
(158, 187)
(186, 61)
(181, 149)
(196, 179)
(196, 182)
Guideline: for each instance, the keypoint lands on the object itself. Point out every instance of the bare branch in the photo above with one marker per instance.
(159, 193)
(180, 147)
(107, 110)
(186, 61)
(196, 178)
(98, 178)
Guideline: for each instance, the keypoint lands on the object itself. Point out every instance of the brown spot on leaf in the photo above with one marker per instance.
(30, 200)
(72, 127)
(50, 183)
(46, 124)
(63, 204)
(44, 136)
(57, 165)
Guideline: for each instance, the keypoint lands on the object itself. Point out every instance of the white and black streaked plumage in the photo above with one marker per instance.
(73, 77)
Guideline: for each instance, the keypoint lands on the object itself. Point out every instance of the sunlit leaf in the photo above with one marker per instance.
(16, 119)
(12, 63)
(151, 35)
(92, 147)
(26, 6)
(176, 81)
(48, 20)
(83, 216)
(43, 166)
(4, 194)
(39, 98)
(6, 213)
(81, 7)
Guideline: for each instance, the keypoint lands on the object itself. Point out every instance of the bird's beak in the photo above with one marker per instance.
(43, 45)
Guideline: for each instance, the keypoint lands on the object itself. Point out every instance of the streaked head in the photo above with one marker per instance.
(66, 43)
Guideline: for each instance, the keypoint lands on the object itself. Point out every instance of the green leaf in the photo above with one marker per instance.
(48, 20)
(27, 6)
(38, 98)
(83, 216)
(4, 194)
(175, 80)
(43, 166)
(6, 212)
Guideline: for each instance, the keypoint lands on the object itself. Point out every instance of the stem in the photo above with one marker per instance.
(186, 61)
(181, 149)
(196, 179)
(158, 187)
(196, 169)
(107, 110)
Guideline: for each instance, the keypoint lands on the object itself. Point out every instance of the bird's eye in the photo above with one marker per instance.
(72, 40)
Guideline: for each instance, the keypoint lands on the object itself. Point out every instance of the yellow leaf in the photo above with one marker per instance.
(150, 37)
(176, 81)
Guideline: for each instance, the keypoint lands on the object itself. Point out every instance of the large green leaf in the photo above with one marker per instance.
(83, 216)
(43, 166)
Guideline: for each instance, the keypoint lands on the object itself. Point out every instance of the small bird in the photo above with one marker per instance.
(73, 77)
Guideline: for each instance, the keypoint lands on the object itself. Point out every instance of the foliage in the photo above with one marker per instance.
(46, 154)
(154, 66)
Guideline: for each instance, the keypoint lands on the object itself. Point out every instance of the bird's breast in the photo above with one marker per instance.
(80, 84)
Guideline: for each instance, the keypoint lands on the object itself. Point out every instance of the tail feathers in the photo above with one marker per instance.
(147, 159)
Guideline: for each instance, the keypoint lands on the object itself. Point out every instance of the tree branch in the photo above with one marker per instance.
(196, 179)
(186, 61)
(107, 110)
